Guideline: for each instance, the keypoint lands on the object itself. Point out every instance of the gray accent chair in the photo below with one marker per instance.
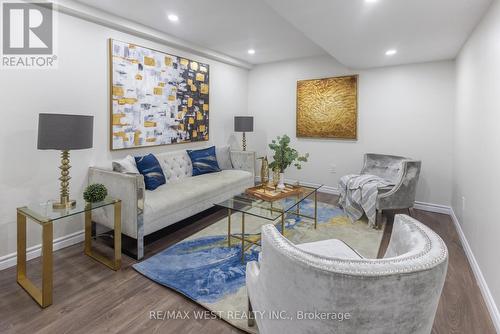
(396, 294)
(404, 172)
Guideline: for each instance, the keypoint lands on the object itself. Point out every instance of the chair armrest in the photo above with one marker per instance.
(253, 269)
(244, 160)
(402, 195)
(127, 187)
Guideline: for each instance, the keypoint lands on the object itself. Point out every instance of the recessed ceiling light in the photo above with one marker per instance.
(173, 17)
(251, 51)
(391, 52)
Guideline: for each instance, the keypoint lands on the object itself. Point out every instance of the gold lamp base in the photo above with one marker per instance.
(64, 202)
(64, 205)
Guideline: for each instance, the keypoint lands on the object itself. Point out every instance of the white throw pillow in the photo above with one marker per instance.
(125, 165)
(223, 155)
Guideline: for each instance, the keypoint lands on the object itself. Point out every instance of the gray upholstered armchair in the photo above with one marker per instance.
(404, 172)
(396, 294)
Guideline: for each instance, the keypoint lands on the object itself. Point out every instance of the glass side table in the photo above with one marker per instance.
(44, 215)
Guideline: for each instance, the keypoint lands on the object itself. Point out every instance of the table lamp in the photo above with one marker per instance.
(64, 133)
(243, 124)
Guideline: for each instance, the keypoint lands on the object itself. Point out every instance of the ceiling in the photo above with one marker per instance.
(358, 33)
(230, 27)
(355, 32)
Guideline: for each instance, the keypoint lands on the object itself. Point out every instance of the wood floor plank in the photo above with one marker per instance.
(89, 298)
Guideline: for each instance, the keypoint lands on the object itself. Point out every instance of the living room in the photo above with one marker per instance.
(206, 166)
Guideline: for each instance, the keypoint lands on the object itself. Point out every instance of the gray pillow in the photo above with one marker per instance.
(125, 165)
(223, 155)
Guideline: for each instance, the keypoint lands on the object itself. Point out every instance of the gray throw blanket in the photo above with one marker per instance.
(358, 195)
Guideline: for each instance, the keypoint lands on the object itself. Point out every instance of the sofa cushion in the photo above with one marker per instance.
(181, 195)
(332, 248)
(204, 161)
(150, 168)
(176, 165)
(224, 157)
(125, 165)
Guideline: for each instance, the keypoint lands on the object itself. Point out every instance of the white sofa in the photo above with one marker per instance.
(183, 195)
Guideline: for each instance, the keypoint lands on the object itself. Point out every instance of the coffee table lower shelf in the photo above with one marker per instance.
(249, 243)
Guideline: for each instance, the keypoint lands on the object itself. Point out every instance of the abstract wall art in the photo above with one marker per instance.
(156, 98)
(328, 108)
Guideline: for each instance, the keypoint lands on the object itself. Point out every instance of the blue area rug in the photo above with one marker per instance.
(204, 269)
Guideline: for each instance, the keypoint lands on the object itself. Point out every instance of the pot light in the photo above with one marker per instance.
(173, 17)
(251, 51)
(391, 52)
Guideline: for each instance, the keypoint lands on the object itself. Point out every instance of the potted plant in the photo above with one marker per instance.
(95, 192)
(283, 157)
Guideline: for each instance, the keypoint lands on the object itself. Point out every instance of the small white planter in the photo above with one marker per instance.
(281, 183)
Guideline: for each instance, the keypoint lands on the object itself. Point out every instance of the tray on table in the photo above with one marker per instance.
(268, 193)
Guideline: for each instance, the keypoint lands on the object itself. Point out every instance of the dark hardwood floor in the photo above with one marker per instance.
(89, 298)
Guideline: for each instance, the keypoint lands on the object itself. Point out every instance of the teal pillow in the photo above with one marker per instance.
(204, 161)
(150, 168)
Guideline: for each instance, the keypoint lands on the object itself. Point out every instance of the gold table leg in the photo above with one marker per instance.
(42, 296)
(315, 209)
(297, 209)
(283, 224)
(229, 227)
(114, 263)
(242, 237)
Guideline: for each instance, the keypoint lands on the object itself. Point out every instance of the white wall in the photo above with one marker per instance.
(80, 86)
(477, 145)
(403, 110)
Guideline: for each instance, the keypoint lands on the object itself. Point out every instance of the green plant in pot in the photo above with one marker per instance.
(284, 156)
(95, 192)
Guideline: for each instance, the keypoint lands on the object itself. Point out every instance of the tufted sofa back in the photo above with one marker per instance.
(176, 165)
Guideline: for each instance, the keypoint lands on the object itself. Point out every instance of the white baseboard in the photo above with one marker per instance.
(431, 207)
(10, 260)
(483, 286)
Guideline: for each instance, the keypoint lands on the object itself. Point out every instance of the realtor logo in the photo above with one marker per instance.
(28, 35)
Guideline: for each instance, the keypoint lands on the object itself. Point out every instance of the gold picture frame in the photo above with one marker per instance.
(327, 108)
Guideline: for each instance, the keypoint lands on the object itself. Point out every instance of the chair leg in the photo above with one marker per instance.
(251, 319)
(411, 212)
(379, 220)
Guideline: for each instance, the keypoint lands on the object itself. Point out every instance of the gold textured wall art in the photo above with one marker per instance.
(328, 108)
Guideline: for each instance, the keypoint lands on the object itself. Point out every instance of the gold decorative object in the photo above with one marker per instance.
(328, 108)
(244, 141)
(64, 202)
(264, 171)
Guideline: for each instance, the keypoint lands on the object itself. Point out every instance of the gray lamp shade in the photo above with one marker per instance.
(243, 123)
(65, 132)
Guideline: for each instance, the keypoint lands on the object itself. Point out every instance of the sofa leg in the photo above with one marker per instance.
(140, 248)
(140, 235)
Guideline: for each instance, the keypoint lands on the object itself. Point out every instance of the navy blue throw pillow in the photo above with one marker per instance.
(150, 168)
(204, 161)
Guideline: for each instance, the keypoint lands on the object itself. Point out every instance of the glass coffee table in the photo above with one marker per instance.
(268, 210)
